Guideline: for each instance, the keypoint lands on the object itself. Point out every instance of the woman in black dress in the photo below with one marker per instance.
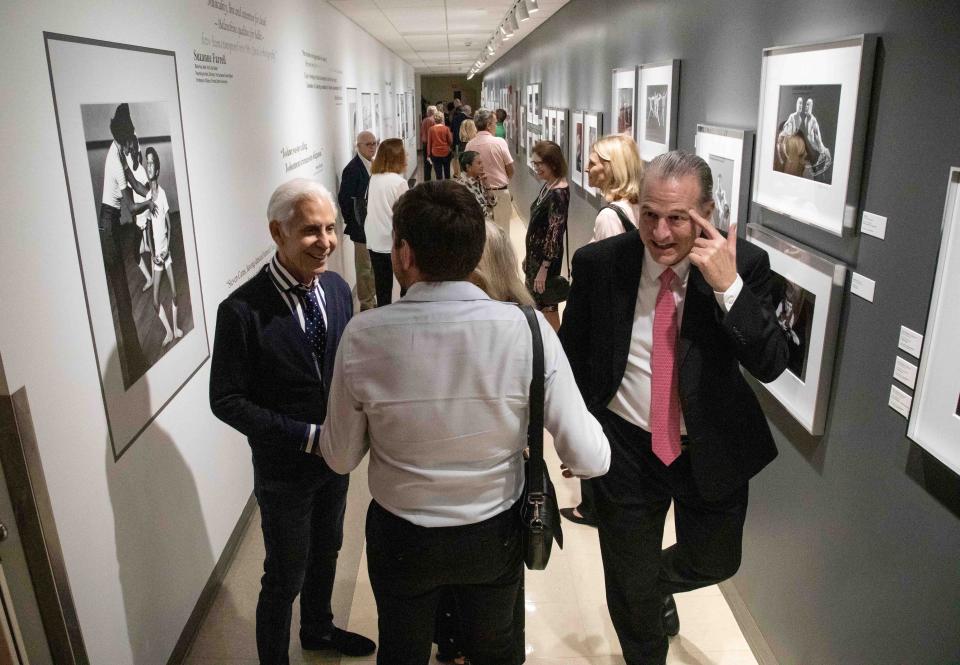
(546, 228)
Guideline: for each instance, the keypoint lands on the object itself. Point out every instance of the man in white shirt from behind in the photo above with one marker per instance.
(436, 387)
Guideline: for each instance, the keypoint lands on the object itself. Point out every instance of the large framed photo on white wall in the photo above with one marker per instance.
(814, 101)
(658, 91)
(728, 152)
(935, 415)
(624, 102)
(135, 242)
(807, 294)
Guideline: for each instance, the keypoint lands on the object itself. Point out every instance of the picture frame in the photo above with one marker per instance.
(550, 125)
(366, 113)
(814, 104)
(934, 421)
(592, 131)
(729, 153)
(808, 293)
(658, 92)
(533, 135)
(134, 265)
(522, 131)
(577, 158)
(623, 104)
(562, 131)
(534, 105)
(353, 113)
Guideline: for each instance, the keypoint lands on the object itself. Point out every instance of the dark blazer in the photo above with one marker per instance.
(353, 184)
(729, 439)
(263, 378)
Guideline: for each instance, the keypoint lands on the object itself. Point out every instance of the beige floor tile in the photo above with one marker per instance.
(554, 630)
(707, 623)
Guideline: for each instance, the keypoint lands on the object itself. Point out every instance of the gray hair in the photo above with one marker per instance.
(678, 164)
(288, 196)
(466, 109)
(430, 111)
(482, 118)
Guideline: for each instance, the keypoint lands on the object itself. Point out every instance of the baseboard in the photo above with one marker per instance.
(209, 593)
(751, 632)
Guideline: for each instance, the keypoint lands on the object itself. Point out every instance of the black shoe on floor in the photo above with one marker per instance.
(345, 642)
(671, 620)
(575, 517)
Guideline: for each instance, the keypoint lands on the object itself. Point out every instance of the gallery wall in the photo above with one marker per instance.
(851, 536)
(261, 92)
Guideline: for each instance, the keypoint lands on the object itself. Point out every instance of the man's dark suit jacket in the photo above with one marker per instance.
(353, 184)
(263, 378)
(729, 439)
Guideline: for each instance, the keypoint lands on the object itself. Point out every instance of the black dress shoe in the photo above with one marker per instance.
(345, 642)
(671, 620)
(575, 517)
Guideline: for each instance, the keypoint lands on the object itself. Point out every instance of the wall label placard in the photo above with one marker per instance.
(910, 341)
(862, 286)
(905, 372)
(900, 401)
(873, 225)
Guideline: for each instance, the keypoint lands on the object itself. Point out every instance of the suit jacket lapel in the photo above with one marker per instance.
(624, 291)
(697, 311)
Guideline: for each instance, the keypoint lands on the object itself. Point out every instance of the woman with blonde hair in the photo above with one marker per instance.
(616, 170)
(468, 129)
(498, 272)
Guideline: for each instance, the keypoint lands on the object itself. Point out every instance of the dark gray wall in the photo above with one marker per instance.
(852, 548)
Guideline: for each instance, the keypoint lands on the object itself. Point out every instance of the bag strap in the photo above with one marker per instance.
(536, 487)
(624, 220)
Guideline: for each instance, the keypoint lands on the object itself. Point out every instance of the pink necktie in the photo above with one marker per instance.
(665, 396)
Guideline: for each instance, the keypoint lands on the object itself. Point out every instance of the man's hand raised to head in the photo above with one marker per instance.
(714, 255)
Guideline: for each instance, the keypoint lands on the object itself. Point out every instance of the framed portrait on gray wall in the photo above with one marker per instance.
(729, 153)
(576, 157)
(814, 101)
(935, 413)
(563, 135)
(592, 131)
(624, 102)
(658, 90)
(807, 294)
(122, 143)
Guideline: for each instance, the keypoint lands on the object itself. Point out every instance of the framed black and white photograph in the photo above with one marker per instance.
(729, 153)
(125, 164)
(577, 158)
(353, 115)
(658, 89)
(807, 295)
(366, 113)
(593, 130)
(935, 413)
(624, 102)
(522, 130)
(563, 137)
(377, 115)
(532, 137)
(814, 100)
(534, 108)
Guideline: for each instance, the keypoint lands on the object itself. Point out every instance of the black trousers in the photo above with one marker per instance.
(302, 522)
(632, 500)
(382, 277)
(412, 566)
(441, 167)
(427, 166)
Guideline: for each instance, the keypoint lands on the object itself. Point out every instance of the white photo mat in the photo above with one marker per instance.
(563, 133)
(83, 73)
(736, 147)
(935, 416)
(657, 115)
(624, 79)
(807, 399)
(592, 132)
(577, 158)
(846, 63)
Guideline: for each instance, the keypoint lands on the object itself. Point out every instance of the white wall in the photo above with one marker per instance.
(141, 535)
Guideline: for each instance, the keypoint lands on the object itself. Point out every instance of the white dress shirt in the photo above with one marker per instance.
(632, 401)
(436, 386)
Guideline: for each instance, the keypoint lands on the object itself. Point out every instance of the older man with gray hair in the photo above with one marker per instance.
(497, 165)
(273, 353)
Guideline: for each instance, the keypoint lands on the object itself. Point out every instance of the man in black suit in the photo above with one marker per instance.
(273, 353)
(353, 186)
(656, 328)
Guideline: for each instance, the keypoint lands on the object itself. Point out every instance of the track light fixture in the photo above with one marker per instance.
(522, 13)
(531, 5)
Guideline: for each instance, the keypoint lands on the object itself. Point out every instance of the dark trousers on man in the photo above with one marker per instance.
(302, 522)
(382, 277)
(632, 501)
(412, 566)
(441, 166)
(427, 166)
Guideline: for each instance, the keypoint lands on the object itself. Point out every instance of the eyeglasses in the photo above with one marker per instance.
(536, 162)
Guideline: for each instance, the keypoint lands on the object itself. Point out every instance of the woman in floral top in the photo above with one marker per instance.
(547, 226)
(471, 177)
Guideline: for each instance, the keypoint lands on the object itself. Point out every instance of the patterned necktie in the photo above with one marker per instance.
(316, 329)
(665, 395)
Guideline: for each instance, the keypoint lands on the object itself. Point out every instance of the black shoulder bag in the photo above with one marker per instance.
(624, 220)
(539, 513)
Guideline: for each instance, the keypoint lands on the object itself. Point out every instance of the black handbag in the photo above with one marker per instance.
(539, 512)
(556, 288)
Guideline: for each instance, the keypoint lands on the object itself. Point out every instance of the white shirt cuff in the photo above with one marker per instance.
(728, 297)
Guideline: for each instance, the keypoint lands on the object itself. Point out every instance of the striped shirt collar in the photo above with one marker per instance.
(283, 279)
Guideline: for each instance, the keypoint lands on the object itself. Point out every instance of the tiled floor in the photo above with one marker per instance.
(566, 613)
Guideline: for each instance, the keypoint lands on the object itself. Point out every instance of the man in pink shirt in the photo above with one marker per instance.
(425, 126)
(497, 165)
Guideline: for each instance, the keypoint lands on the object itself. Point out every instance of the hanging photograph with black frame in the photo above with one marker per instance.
(807, 295)
(935, 414)
(624, 102)
(121, 138)
(577, 158)
(563, 133)
(592, 131)
(729, 153)
(658, 90)
(814, 104)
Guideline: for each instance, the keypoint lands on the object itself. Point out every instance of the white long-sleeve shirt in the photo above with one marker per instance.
(436, 387)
